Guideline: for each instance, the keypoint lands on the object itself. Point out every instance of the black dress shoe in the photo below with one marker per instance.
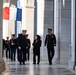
(23, 63)
(20, 63)
(34, 63)
(38, 63)
(50, 63)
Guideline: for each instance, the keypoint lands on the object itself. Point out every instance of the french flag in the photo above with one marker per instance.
(12, 13)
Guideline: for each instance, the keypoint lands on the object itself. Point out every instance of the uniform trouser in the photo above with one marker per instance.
(34, 57)
(50, 52)
(22, 55)
(13, 54)
(18, 54)
(27, 54)
(7, 52)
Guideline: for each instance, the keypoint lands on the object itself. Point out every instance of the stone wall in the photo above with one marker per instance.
(64, 21)
(48, 21)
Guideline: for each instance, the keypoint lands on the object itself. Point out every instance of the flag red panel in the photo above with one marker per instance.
(6, 12)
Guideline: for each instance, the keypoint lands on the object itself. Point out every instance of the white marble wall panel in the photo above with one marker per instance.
(64, 61)
(65, 38)
(66, 56)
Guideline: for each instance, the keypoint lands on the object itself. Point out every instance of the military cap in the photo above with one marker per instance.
(24, 30)
(13, 34)
(49, 29)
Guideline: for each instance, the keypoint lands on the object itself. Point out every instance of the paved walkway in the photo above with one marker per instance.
(13, 68)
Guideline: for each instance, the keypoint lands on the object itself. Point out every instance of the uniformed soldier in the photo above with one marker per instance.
(22, 47)
(50, 41)
(13, 47)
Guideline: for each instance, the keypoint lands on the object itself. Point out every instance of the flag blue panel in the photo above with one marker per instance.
(19, 15)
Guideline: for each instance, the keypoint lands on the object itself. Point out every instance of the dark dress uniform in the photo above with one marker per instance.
(22, 48)
(7, 48)
(36, 51)
(50, 41)
(13, 46)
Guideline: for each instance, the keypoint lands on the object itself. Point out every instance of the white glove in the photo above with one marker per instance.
(19, 47)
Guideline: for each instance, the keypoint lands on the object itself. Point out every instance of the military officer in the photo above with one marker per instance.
(22, 47)
(50, 42)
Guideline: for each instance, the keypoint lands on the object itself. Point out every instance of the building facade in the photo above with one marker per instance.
(56, 14)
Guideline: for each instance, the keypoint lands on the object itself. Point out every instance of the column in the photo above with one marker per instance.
(35, 17)
(30, 19)
(72, 47)
(40, 22)
(23, 17)
(2, 66)
(75, 36)
(56, 32)
(23, 6)
(1, 6)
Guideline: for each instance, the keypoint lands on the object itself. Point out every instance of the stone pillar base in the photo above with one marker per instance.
(2, 65)
(71, 64)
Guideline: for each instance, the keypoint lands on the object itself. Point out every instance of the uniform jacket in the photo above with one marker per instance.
(50, 40)
(7, 45)
(4, 44)
(21, 40)
(13, 43)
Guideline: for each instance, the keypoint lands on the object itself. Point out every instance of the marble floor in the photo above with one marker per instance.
(13, 68)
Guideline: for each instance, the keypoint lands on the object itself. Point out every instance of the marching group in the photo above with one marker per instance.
(22, 45)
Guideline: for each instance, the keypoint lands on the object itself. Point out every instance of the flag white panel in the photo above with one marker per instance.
(12, 14)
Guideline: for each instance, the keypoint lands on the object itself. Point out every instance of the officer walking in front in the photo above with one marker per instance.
(22, 47)
(50, 41)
